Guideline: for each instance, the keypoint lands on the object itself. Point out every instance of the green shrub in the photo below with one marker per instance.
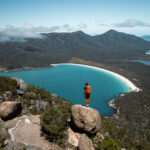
(2, 141)
(7, 84)
(61, 143)
(108, 144)
(24, 148)
(54, 122)
(116, 138)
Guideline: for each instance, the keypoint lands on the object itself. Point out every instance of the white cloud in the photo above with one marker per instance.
(130, 23)
(82, 26)
(11, 33)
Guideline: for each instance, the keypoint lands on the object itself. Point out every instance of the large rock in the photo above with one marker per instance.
(86, 119)
(85, 143)
(10, 109)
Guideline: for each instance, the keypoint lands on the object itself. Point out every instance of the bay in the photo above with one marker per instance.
(67, 81)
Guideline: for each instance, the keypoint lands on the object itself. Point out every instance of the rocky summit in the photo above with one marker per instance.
(86, 119)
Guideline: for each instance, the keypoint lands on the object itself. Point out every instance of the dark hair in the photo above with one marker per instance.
(86, 83)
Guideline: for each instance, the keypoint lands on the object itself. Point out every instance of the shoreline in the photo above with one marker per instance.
(25, 68)
(126, 81)
(111, 103)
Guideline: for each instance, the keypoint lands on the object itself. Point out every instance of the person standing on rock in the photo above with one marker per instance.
(87, 92)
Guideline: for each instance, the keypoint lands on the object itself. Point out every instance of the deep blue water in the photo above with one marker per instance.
(67, 81)
(142, 61)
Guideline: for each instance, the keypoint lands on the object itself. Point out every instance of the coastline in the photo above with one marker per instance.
(126, 81)
(25, 68)
(111, 103)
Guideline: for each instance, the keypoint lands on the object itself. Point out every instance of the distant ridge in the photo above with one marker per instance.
(120, 39)
(61, 47)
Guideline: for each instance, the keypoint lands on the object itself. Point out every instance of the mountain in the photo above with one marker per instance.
(61, 47)
(119, 39)
(146, 37)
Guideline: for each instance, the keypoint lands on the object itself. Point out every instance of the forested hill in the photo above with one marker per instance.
(61, 47)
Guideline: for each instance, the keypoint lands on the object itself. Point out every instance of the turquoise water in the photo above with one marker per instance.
(145, 62)
(148, 52)
(67, 81)
(142, 61)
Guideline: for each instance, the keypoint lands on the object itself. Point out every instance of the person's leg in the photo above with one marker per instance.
(87, 99)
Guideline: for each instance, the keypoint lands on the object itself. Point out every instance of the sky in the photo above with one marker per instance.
(30, 17)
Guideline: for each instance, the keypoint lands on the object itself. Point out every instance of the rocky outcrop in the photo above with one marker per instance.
(10, 109)
(25, 131)
(3, 131)
(21, 146)
(7, 95)
(21, 84)
(73, 137)
(20, 92)
(85, 143)
(41, 104)
(86, 119)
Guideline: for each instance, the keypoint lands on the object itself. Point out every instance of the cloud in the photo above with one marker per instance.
(130, 23)
(10, 33)
(82, 26)
(63, 28)
(19, 34)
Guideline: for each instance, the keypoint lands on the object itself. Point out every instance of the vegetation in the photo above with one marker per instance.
(24, 148)
(10, 86)
(134, 108)
(2, 142)
(35, 93)
(39, 93)
(108, 144)
(54, 121)
(134, 114)
(115, 138)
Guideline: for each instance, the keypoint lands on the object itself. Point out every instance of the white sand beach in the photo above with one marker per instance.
(120, 77)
